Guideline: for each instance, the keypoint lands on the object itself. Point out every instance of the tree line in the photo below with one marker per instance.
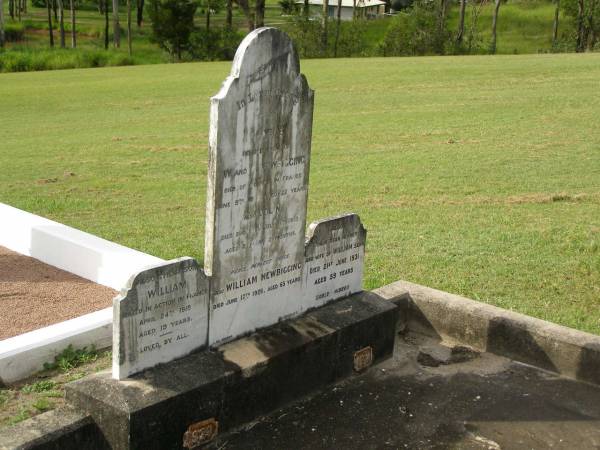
(421, 27)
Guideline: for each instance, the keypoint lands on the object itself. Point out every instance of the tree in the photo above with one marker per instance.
(587, 28)
(116, 24)
(461, 22)
(337, 28)
(210, 7)
(172, 24)
(105, 24)
(246, 8)
(229, 18)
(555, 25)
(73, 31)
(1, 24)
(325, 19)
(51, 35)
(140, 12)
(494, 26)
(129, 48)
(259, 14)
(61, 23)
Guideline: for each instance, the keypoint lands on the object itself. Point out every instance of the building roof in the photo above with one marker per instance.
(346, 3)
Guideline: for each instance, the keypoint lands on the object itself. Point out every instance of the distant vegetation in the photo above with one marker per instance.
(86, 33)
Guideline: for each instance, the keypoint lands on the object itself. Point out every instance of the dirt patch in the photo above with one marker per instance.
(35, 295)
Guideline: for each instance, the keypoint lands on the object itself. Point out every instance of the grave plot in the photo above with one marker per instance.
(265, 300)
(259, 266)
(57, 285)
(35, 295)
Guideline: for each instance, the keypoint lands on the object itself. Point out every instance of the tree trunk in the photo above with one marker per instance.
(591, 35)
(101, 7)
(555, 25)
(129, 47)
(105, 24)
(249, 16)
(73, 28)
(11, 9)
(1, 24)
(260, 13)
(207, 15)
(229, 18)
(461, 22)
(305, 10)
(55, 9)
(51, 35)
(494, 26)
(337, 29)
(443, 14)
(580, 26)
(325, 21)
(61, 23)
(140, 13)
(19, 8)
(116, 24)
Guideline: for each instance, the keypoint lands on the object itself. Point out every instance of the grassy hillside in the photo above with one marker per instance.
(476, 175)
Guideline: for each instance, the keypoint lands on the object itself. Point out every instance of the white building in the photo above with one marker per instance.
(368, 9)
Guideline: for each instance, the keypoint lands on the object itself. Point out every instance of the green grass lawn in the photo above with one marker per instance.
(476, 175)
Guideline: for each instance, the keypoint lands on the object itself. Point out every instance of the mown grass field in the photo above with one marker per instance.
(476, 175)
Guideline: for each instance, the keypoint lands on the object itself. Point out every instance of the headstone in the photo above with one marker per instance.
(259, 266)
(260, 141)
(335, 252)
(260, 136)
(161, 315)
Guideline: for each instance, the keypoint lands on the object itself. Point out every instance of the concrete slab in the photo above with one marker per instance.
(158, 408)
(425, 398)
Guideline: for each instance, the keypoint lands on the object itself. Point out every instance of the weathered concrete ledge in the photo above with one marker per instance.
(240, 381)
(574, 354)
(55, 430)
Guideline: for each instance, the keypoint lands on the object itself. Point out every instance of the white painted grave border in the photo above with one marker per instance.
(63, 247)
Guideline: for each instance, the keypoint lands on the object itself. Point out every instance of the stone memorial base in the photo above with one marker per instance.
(172, 405)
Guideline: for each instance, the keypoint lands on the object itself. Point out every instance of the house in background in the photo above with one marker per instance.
(368, 9)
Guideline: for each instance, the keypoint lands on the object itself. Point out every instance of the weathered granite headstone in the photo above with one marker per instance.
(335, 252)
(161, 315)
(260, 142)
(260, 136)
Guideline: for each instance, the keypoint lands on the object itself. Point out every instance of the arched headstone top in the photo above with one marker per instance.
(264, 51)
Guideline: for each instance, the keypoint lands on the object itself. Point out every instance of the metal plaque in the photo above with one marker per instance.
(200, 433)
(363, 358)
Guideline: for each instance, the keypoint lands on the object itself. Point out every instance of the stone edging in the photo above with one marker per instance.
(571, 353)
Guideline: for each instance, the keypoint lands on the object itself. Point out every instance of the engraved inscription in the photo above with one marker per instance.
(162, 316)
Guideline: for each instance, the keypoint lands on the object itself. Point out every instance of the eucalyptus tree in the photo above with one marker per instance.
(73, 30)
(461, 21)
(50, 32)
(61, 23)
(494, 26)
(1, 24)
(116, 24)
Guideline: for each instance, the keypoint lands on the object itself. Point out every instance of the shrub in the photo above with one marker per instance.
(172, 24)
(416, 31)
(289, 7)
(14, 32)
(215, 44)
(399, 5)
(307, 36)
